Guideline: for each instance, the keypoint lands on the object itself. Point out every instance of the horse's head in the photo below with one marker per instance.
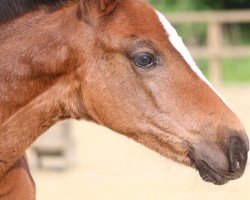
(138, 78)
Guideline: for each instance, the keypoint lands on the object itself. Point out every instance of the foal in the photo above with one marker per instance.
(118, 63)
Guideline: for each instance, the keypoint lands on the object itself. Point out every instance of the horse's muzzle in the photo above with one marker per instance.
(220, 165)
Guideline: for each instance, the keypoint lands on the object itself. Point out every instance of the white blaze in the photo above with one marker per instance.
(177, 42)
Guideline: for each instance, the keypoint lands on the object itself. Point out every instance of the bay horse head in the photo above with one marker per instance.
(139, 79)
(121, 64)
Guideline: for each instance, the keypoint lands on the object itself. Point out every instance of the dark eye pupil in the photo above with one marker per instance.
(145, 60)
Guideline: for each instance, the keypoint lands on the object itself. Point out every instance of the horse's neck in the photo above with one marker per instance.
(38, 84)
(33, 58)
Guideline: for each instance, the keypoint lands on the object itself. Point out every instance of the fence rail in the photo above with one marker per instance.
(214, 50)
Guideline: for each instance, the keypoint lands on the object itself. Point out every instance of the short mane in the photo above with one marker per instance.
(11, 9)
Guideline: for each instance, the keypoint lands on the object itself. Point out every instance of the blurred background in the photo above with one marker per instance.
(81, 160)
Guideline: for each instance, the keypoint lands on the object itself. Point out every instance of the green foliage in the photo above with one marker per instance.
(234, 70)
(179, 5)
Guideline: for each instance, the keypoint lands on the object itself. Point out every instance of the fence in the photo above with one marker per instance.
(214, 50)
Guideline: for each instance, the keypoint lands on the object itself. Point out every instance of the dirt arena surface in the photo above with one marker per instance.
(112, 167)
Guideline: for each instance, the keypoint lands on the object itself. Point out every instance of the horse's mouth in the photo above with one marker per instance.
(218, 165)
(209, 174)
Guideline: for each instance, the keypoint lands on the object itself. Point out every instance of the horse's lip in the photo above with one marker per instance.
(209, 175)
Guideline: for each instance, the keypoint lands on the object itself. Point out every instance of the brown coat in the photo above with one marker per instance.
(79, 62)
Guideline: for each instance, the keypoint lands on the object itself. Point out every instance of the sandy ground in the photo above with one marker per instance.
(112, 167)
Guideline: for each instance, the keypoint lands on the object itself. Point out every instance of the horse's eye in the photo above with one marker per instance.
(144, 60)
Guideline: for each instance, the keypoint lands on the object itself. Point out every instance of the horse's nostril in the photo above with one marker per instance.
(237, 154)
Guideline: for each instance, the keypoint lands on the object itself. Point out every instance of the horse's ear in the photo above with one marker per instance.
(93, 10)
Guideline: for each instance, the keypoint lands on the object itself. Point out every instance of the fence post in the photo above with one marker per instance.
(214, 43)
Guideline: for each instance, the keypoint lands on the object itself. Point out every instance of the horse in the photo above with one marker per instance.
(120, 64)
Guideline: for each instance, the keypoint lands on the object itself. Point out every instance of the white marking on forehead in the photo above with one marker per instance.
(177, 42)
